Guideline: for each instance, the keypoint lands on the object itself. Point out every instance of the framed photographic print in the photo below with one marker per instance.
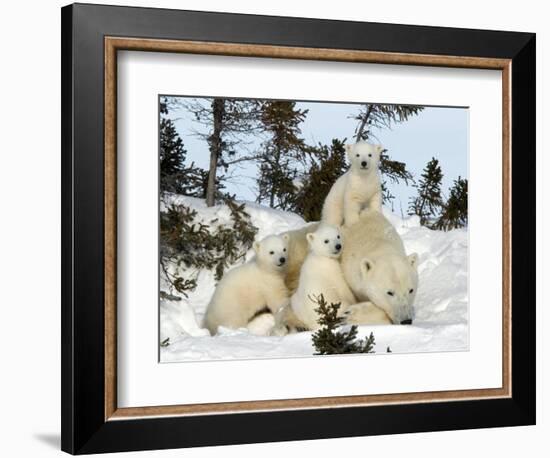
(273, 221)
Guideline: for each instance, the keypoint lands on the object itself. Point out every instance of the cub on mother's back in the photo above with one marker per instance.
(357, 189)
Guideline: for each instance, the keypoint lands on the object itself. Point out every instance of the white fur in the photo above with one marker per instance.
(247, 289)
(366, 313)
(357, 189)
(262, 325)
(286, 321)
(321, 273)
(298, 247)
(376, 267)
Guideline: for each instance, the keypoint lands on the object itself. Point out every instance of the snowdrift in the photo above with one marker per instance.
(441, 306)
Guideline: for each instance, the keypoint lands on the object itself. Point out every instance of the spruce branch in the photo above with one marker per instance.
(330, 339)
(455, 210)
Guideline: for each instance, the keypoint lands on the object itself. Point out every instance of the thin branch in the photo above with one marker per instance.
(364, 120)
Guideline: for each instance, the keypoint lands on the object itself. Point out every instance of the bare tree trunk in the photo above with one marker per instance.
(215, 142)
(278, 162)
(272, 199)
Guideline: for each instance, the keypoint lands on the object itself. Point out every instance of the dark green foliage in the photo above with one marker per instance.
(276, 182)
(372, 117)
(175, 176)
(428, 202)
(387, 196)
(327, 164)
(187, 242)
(394, 170)
(241, 221)
(330, 339)
(169, 297)
(281, 154)
(455, 210)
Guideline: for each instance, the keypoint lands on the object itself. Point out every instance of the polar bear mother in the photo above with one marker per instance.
(374, 264)
(377, 268)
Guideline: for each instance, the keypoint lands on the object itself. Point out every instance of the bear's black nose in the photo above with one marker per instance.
(409, 321)
(338, 246)
(282, 260)
(364, 164)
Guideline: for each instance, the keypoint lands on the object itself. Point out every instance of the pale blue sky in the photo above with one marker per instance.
(440, 132)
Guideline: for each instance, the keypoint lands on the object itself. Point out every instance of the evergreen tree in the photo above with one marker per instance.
(455, 210)
(226, 122)
(377, 116)
(326, 165)
(281, 154)
(175, 176)
(187, 243)
(428, 202)
(330, 339)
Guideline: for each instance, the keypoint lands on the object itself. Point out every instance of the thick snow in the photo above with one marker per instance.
(441, 306)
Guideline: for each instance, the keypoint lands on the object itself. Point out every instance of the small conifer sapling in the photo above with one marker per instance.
(331, 338)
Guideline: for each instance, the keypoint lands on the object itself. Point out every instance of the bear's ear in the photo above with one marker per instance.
(349, 150)
(310, 237)
(379, 149)
(256, 246)
(413, 260)
(366, 265)
(286, 237)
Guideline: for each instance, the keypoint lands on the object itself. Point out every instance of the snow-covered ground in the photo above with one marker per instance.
(441, 306)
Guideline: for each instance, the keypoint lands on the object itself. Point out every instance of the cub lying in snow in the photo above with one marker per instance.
(321, 273)
(356, 189)
(252, 290)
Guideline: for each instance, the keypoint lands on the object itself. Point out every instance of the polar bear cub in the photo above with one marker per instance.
(356, 189)
(321, 274)
(251, 290)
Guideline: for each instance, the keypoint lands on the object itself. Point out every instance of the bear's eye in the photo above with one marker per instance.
(370, 155)
(284, 249)
(411, 291)
(337, 236)
(390, 293)
(357, 155)
(271, 252)
(326, 241)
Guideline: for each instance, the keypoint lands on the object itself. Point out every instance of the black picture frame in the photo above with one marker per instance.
(84, 428)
